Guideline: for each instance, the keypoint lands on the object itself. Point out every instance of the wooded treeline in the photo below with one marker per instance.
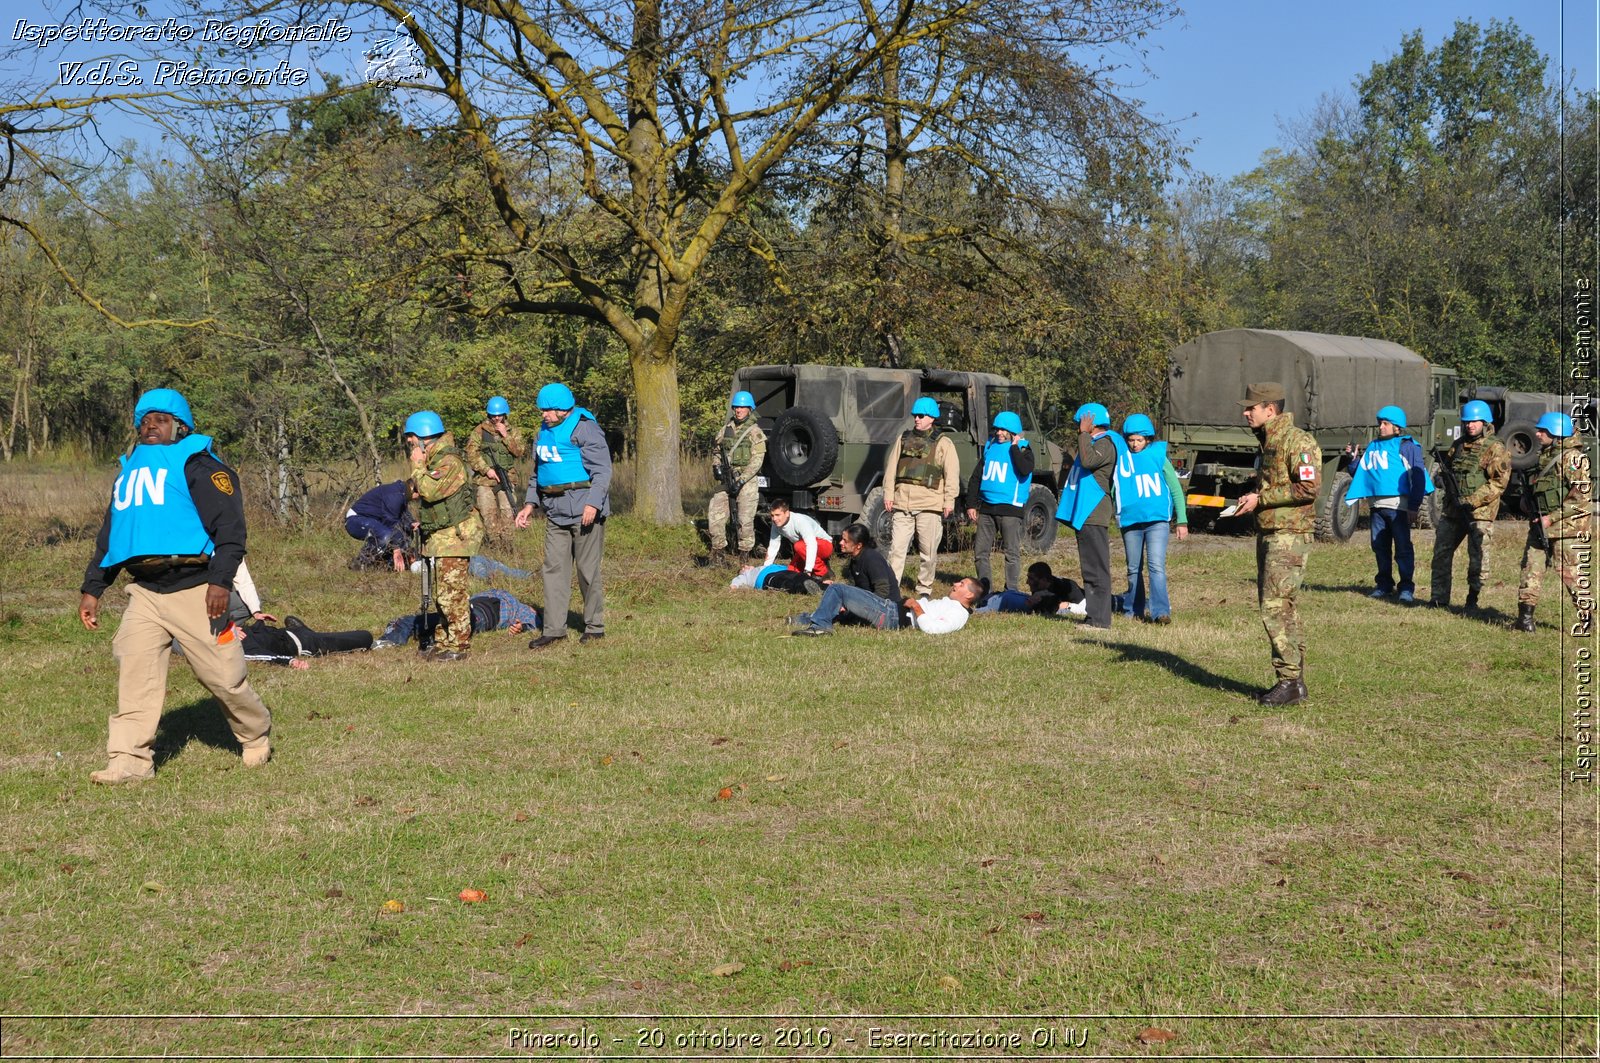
(976, 194)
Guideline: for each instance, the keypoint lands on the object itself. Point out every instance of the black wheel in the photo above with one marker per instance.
(1039, 525)
(804, 447)
(1522, 443)
(877, 519)
(1337, 521)
(1428, 515)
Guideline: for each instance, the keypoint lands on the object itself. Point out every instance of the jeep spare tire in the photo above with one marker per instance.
(1039, 524)
(804, 447)
(1338, 522)
(1521, 443)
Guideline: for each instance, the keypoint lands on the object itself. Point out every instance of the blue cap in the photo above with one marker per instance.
(1477, 410)
(1008, 422)
(925, 407)
(742, 398)
(424, 424)
(1394, 415)
(1102, 416)
(1138, 424)
(556, 397)
(498, 407)
(1557, 424)
(163, 400)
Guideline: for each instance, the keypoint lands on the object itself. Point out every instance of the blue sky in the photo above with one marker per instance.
(1243, 67)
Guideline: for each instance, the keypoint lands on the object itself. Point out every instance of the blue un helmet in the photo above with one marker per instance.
(1138, 424)
(742, 398)
(1008, 422)
(1477, 410)
(498, 407)
(1102, 416)
(925, 407)
(556, 397)
(163, 400)
(424, 424)
(1394, 415)
(1557, 424)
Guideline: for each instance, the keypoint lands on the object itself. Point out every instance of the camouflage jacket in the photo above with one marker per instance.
(742, 447)
(439, 476)
(1482, 468)
(1287, 472)
(1565, 476)
(485, 449)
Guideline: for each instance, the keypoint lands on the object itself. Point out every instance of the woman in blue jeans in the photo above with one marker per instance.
(1149, 495)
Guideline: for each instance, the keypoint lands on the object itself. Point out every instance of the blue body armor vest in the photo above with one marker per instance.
(1383, 472)
(560, 462)
(1082, 492)
(1000, 485)
(152, 514)
(1142, 494)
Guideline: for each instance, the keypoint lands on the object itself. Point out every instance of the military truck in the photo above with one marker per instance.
(1334, 386)
(829, 430)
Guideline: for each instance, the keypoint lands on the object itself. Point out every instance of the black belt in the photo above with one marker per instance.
(146, 568)
(561, 489)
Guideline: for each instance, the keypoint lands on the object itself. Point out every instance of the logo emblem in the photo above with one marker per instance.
(223, 482)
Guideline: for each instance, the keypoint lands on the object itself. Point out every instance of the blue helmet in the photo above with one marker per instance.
(1008, 422)
(424, 424)
(498, 407)
(1394, 415)
(1557, 424)
(556, 397)
(1102, 416)
(742, 398)
(163, 400)
(925, 407)
(1138, 424)
(1477, 411)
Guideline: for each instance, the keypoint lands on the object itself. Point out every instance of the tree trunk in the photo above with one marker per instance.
(658, 494)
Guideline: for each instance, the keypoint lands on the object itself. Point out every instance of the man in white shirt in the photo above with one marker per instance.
(811, 544)
(931, 616)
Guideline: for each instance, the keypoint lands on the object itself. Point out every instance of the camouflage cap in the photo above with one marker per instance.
(1267, 392)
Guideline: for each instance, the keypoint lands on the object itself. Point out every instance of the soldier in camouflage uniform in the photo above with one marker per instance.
(1474, 476)
(452, 529)
(1284, 503)
(1564, 496)
(495, 443)
(741, 448)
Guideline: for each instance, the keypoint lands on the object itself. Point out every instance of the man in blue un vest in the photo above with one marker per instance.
(1393, 472)
(997, 495)
(176, 524)
(572, 481)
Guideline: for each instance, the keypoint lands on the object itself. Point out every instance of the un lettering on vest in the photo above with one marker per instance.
(1374, 459)
(135, 488)
(549, 453)
(997, 472)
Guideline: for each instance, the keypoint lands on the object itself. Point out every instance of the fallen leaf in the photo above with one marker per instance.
(1156, 860)
(776, 778)
(1234, 718)
(992, 930)
(785, 965)
(329, 957)
(721, 740)
(949, 983)
(523, 940)
(1154, 1035)
(315, 715)
(725, 794)
(1034, 917)
(1499, 924)
(405, 811)
(635, 985)
(605, 761)
(727, 970)
(840, 744)
(351, 729)
(334, 893)
(521, 817)
(506, 858)
(393, 905)
(472, 896)
(987, 861)
(1462, 876)
(366, 801)
(67, 869)
(1281, 882)
(152, 886)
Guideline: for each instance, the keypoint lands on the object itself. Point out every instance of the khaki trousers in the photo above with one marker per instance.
(717, 513)
(143, 649)
(928, 527)
(496, 510)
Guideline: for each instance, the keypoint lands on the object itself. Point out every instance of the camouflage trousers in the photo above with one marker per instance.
(1454, 526)
(1573, 560)
(496, 510)
(453, 596)
(717, 514)
(1280, 569)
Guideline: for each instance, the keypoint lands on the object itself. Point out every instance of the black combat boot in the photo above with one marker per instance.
(717, 558)
(1524, 621)
(1287, 692)
(1472, 600)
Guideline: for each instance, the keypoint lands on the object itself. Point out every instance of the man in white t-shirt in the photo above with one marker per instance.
(940, 616)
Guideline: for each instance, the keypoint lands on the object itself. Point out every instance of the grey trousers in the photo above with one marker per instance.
(566, 547)
(1010, 528)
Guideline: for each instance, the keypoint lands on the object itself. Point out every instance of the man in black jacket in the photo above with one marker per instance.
(869, 592)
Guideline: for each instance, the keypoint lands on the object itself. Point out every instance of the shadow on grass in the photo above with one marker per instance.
(1182, 668)
(1362, 589)
(199, 721)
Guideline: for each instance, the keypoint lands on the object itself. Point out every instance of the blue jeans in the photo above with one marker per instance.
(1146, 547)
(1391, 528)
(390, 538)
(480, 567)
(852, 600)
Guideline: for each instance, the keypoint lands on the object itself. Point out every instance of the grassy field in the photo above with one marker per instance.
(1016, 831)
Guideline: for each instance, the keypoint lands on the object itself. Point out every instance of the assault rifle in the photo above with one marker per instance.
(504, 483)
(425, 618)
(1528, 500)
(1447, 476)
(729, 479)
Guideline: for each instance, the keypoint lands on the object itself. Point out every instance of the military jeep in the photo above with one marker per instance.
(829, 430)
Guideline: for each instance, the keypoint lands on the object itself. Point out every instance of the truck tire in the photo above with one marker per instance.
(1428, 515)
(804, 447)
(1338, 522)
(877, 519)
(1519, 439)
(1039, 525)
